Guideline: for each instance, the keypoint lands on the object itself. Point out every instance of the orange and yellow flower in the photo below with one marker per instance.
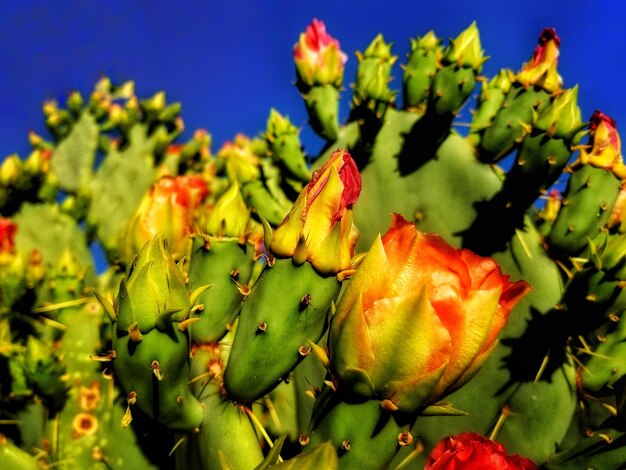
(419, 318)
(169, 207)
(319, 227)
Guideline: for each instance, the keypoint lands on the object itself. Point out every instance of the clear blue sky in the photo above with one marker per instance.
(228, 62)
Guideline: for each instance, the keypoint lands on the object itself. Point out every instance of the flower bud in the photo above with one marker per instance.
(318, 57)
(241, 163)
(562, 117)
(230, 215)
(471, 450)
(319, 227)
(465, 50)
(605, 145)
(541, 70)
(169, 207)
(418, 318)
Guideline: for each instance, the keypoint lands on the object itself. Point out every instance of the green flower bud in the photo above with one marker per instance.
(465, 50)
(562, 117)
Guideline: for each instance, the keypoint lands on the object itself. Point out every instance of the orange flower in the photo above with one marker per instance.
(319, 227)
(419, 318)
(319, 59)
(169, 207)
(473, 451)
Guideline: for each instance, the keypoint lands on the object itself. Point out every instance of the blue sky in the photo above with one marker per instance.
(229, 62)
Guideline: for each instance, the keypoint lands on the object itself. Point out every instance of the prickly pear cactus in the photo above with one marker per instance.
(261, 307)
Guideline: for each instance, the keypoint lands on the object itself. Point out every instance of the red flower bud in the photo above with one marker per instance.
(320, 222)
(319, 59)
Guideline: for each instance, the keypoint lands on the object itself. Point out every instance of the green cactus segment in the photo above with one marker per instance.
(61, 231)
(226, 435)
(152, 349)
(454, 81)
(371, 95)
(322, 105)
(421, 66)
(587, 203)
(510, 123)
(362, 434)
(274, 331)
(603, 450)
(608, 364)
(73, 159)
(90, 435)
(226, 266)
(440, 197)
(319, 456)
(44, 374)
(118, 186)
(12, 456)
(284, 142)
(489, 102)
(543, 154)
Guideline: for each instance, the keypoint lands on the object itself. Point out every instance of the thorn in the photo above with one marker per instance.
(331, 385)
(405, 439)
(261, 327)
(388, 405)
(134, 333)
(303, 439)
(107, 305)
(197, 292)
(344, 446)
(156, 370)
(177, 445)
(183, 325)
(109, 356)
(320, 353)
(304, 351)
(306, 299)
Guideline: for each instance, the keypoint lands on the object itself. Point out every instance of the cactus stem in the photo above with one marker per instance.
(504, 414)
(405, 439)
(156, 370)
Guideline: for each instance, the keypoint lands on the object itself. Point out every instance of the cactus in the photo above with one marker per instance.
(251, 315)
